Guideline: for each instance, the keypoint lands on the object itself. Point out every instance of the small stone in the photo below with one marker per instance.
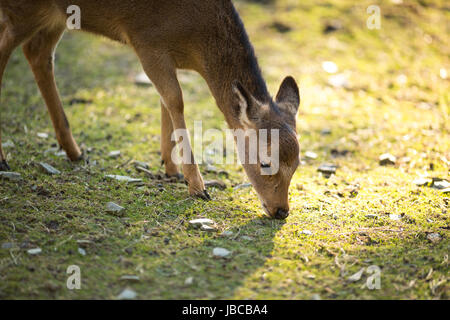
(114, 154)
(216, 184)
(443, 73)
(330, 67)
(421, 182)
(325, 132)
(130, 278)
(84, 241)
(82, 251)
(13, 176)
(141, 164)
(434, 237)
(327, 169)
(123, 178)
(113, 207)
(307, 232)
(42, 135)
(311, 155)
(34, 251)
(316, 296)
(61, 153)
(48, 168)
(8, 144)
(148, 172)
(387, 159)
(227, 233)
(127, 294)
(401, 80)
(51, 150)
(189, 281)
(395, 217)
(242, 186)
(441, 184)
(221, 252)
(200, 222)
(208, 228)
(204, 224)
(371, 216)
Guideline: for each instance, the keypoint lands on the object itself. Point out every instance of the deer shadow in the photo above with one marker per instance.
(193, 272)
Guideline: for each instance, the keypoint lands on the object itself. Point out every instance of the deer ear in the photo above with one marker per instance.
(246, 104)
(288, 97)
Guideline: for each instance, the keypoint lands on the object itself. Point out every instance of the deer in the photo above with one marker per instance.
(207, 37)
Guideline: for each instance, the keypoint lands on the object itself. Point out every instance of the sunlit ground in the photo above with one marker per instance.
(395, 99)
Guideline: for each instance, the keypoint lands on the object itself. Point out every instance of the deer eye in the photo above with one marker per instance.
(265, 165)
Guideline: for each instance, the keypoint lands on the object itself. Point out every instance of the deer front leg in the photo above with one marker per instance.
(167, 144)
(190, 168)
(162, 73)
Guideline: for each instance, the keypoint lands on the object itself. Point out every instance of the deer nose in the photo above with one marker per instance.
(281, 214)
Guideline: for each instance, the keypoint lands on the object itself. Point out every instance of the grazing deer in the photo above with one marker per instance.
(206, 36)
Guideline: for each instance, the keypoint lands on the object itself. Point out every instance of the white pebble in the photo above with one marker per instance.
(127, 294)
(330, 66)
(221, 252)
(34, 251)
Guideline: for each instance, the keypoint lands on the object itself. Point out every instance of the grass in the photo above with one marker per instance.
(348, 216)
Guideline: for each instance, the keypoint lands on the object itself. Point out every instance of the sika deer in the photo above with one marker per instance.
(206, 36)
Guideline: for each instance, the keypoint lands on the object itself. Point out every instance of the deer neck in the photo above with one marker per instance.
(228, 56)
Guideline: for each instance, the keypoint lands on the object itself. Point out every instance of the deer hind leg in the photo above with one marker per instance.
(39, 51)
(161, 71)
(5, 53)
(8, 42)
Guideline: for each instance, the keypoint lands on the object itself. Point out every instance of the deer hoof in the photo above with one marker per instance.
(4, 166)
(75, 155)
(204, 195)
(80, 157)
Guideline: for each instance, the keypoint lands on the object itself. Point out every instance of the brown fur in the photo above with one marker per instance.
(206, 36)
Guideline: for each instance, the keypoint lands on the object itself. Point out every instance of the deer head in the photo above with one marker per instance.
(275, 158)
